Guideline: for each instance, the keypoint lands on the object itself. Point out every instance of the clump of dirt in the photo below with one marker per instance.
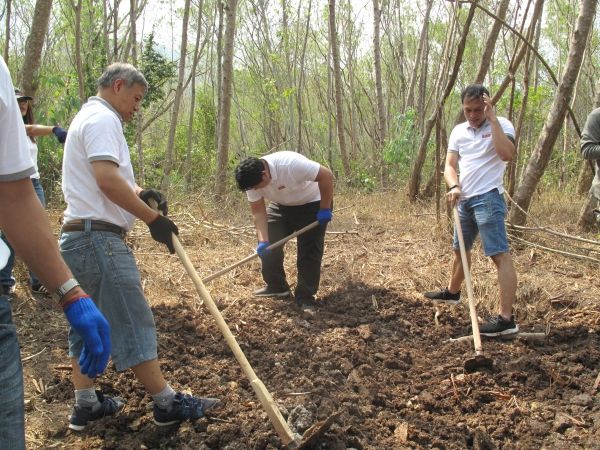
(373, 354)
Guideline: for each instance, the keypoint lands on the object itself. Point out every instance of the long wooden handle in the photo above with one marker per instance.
(254, 255)
(467, 272)
(281, 427)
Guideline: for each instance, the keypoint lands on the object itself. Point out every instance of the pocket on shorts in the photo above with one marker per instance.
(77, 250)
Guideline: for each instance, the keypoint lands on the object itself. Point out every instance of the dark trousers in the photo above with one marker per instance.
(283, 221)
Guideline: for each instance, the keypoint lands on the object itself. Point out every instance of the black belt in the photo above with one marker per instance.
(95, 225)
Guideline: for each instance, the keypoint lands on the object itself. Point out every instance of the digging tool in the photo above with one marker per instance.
(289, 439)
(480, 360)
(279, 243)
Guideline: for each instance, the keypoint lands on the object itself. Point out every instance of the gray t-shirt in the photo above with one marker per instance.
(590, 147)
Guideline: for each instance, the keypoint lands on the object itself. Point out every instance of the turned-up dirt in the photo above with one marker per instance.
(373, 353)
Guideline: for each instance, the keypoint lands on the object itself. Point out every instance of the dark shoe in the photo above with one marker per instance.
(499, 326)
(81, 415)
(185, 407)
(40, 289)
(444, 296)
(268, 291)
(8, 289)
(308, 306)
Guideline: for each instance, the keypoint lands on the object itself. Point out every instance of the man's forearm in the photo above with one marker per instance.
(27, 227)
(503, 145)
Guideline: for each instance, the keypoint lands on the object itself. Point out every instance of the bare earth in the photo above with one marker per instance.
(373, 353)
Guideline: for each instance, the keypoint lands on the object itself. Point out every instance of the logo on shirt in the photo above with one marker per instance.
(486, 135)
(279, 188)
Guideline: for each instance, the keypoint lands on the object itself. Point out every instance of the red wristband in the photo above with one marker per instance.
(70, 301)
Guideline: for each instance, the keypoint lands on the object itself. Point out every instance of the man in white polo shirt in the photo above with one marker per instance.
(26, 225)
(300, 191)
(103, 201)
(480, 148)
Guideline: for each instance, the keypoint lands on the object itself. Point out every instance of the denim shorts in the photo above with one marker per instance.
(105, 267)
(484, 215)
(12, 413)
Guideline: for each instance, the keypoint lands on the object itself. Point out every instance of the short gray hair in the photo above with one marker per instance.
(121, 71)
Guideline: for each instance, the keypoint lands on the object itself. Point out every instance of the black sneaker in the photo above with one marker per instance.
(308, 306)
(268, 291)
(8, 289)
(40, 289)
(109, 406)
(499, 326)
(444, 296)
(185, 407)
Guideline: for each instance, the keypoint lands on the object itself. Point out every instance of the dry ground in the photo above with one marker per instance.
(373, 353)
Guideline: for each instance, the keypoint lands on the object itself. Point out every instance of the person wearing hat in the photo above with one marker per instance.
(33, 130)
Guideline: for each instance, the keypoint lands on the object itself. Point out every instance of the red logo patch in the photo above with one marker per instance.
(487, 135)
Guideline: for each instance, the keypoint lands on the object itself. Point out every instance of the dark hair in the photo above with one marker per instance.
(28, 117)
(248, 173)
(473, 91)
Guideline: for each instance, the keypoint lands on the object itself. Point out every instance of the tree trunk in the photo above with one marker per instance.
(169, 153)
(225, 110)
(7, 30)
(301, 82)
(115, 55)
(415, 175)
(543, 149)
(220, 12)
(410, 101)
(337, 77)
(382, 125)
(78, 61)
(34, 47)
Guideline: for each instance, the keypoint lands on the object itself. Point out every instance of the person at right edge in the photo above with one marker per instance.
(480, 149)
(590, 149)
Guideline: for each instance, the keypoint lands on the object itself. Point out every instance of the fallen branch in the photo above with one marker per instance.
(526, 336)
(33, 356)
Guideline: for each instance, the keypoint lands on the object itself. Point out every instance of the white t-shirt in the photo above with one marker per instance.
(480, 167)
(15, 159)
(33, 150)
(292, 180)
(96, 134)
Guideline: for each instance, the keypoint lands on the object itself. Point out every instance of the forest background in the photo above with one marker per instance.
(370, 89)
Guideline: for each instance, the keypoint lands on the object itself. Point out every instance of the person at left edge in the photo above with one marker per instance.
(103, 202)
(26, 225)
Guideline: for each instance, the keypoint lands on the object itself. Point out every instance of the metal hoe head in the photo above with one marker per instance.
(478, 362)
(312, 434)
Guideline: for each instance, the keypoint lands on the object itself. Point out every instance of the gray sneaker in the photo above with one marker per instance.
(185, 407)
(498, 326)
(81, 415)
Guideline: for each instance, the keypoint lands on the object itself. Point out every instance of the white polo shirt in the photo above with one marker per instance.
(15, 159)
(96, 134)
(480, 167)
(292, 180)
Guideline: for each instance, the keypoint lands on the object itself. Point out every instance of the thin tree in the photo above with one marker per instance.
(7, 30)
(337, 77)
(168, 165)
(382, 124)
(34, 46)
(226, 90)
(543, 149)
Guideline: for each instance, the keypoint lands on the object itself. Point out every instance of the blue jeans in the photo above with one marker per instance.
(6, 278)
(105, 267)
(484, 215)
(12, 410)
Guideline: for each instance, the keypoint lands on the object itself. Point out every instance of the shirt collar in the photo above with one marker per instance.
(483, 124)
(272, 171)
(108, 105)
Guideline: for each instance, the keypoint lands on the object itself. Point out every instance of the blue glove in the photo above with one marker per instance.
(88, 321)
(324, 215)
(60, 133)
(261, 249)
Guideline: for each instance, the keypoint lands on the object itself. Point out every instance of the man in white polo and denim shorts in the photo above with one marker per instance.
(480, 148)
(103, 202)
(300, 192)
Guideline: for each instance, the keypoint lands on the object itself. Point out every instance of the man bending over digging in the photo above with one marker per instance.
(480, 148)
(300, 191)
(103, 202)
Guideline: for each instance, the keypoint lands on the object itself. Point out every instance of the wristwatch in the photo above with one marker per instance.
(66, 287)
(452, 187)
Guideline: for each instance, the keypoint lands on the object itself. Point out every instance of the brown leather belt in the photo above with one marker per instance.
(95, 225)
